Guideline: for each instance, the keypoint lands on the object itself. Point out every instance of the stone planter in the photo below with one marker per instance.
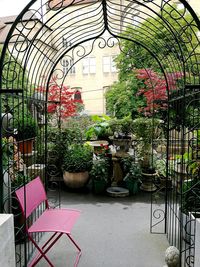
(122, 144)
(75, 179)
(147, 182)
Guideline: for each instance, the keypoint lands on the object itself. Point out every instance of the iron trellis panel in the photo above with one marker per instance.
(32, 55)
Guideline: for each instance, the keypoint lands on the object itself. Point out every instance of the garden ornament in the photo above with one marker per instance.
(172, 255)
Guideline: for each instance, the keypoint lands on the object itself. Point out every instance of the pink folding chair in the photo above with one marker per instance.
(58, 221)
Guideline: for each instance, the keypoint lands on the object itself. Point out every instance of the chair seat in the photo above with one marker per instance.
(65, 219)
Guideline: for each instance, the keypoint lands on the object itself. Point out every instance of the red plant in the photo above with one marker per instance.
(60, 99)
(155, 89)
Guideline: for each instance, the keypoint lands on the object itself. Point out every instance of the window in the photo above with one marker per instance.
(68, 66)
(89, 65)
(109, 64)
(77, 95)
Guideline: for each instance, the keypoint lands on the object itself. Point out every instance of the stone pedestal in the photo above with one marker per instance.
(36, 170)
(7, 251)
(117, 170)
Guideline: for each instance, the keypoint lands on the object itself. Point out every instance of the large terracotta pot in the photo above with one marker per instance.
(26, 146)
(75, 179)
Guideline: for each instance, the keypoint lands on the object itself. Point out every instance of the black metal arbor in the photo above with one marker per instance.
(45, 33)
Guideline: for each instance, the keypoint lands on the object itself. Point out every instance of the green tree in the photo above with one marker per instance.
(121, 100)
(13, 75)
(171, 37)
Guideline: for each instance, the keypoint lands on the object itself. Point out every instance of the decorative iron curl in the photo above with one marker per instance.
(8, 67)
(111, 42)
(53, 170)
(189, 260)
(33, 16)
(195, 67)
(20, 44)
(174, 14)
(53, 194)
(59, 73)
(101, 42)
(18, 257)
(187, 226)
(185, 36)
(159, 215)
(58, 5)
(79, 51)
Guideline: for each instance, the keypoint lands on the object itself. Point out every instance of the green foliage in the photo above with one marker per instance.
(121, 100)
(100, 169)
(126, 164)
(100, 129)
(20, 179)
(190, 197)
(146, 129)
(160, 166)
(13, 75)
(134, 173)
(7, 152)
(26, 126)
(155, 34)
(131, 170)
(174, 42)
(78, 158)
(190, 159)
(122, 126)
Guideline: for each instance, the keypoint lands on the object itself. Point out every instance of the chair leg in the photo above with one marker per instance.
(39, 257)
(79, 250)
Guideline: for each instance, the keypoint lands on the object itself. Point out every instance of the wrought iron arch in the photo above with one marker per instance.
(34, 49)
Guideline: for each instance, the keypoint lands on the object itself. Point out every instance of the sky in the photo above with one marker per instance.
(12, 7)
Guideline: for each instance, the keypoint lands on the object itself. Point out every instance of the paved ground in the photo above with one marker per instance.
(112, 232)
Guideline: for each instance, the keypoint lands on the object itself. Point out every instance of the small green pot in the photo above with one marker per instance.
(99, 187)
(133, 187)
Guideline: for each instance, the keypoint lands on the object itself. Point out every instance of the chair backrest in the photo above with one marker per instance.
(31, 196)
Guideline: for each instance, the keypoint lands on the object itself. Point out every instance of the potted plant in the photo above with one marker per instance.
(146, 130)
(77, 163)
(27, 129)
(122, 129)
(100, 129)
(133, 175)
(100, 175)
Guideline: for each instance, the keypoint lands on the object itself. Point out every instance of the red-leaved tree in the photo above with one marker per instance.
(61, 99)
(155, 89)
